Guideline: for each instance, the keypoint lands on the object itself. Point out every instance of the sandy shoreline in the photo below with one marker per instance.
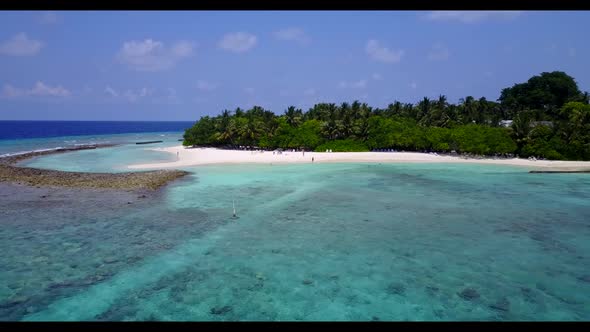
(209, 156)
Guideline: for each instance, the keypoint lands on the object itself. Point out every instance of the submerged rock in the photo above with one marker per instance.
(469, 294)
(432, 289)
(110, 260)
(59, 285)
(501, 305)
(13, 301)
(396, 288)
(585, 278)
(150, 180)
(307, 282)
(221, 310)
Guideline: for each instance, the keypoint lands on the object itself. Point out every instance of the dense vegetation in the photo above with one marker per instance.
(551, 119)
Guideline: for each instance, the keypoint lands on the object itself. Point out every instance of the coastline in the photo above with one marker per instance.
(12, 173)
(210, 156)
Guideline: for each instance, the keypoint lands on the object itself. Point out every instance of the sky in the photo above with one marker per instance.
(181, 65)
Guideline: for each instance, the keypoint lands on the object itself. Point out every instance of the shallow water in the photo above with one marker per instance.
(312, 242)
(112, 159)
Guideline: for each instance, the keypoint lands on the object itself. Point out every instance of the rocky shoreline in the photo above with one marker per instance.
(152, 180)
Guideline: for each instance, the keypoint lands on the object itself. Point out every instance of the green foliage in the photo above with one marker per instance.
(346, 145)
(548, 92)
(471, 126)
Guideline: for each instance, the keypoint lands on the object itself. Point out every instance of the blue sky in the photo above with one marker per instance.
(170, 65)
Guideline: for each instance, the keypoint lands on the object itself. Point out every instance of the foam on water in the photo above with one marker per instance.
(332, 242)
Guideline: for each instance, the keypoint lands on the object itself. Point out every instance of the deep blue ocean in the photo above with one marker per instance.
(40, 129)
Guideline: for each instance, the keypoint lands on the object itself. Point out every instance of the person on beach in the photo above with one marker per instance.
(312, 159)
(177, 152)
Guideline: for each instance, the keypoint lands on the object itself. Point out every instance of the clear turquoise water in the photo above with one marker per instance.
(113, 159)
(312, 242)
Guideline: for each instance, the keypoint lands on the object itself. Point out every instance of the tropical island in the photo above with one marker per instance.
(547, 117)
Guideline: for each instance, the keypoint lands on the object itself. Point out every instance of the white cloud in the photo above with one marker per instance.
(152, 55)
(471, 16)
(110, 91)
(309, 92)
(439, 52)
(130, 95)
(376, 77)
(206, 86)
(571, 52)
(134, 96)
(293, 34)
(238, 42)
(381, 53)
(249, 90)
(413, 85)
(361, 84)
(49, 18)
(182, 49)
(20, 45)
(40, 89)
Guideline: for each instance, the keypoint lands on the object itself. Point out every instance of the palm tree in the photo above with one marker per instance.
(293, 116)
(521, 128)
(442, 104)
(423, 108)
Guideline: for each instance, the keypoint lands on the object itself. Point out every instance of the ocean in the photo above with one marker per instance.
(312, 242)
(25, 136)
(44, 129)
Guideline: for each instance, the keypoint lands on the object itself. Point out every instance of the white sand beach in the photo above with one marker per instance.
(208, 156)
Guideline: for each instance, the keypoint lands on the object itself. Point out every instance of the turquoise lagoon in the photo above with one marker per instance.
(313, 242)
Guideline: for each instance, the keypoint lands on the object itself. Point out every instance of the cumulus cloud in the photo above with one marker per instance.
(238, 42)
(129, 95)
(40, 89)
(381, 53)
(153, 55)
(111, 92)
(471, 16)
(141, 93)
(293, 34)
(206, 86)
(20, 45)
(439, 52)
(361, 84)
(49, 18)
